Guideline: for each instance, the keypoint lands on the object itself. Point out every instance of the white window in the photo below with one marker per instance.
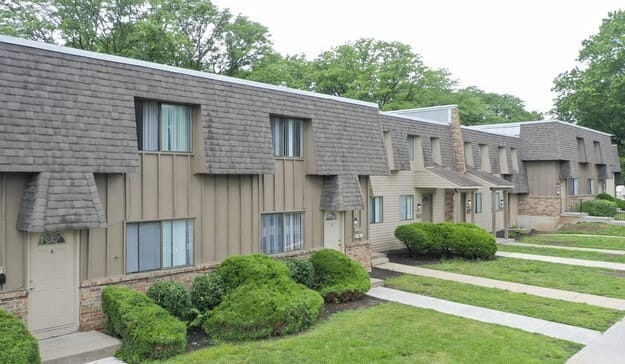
(375, 210)
(478, 202)
(411, 142)
(169, 121)
(592, 187)
(573, 186)
(282, 232)
(406, 207)
(158, 245)
(498, 200)
(286, 135)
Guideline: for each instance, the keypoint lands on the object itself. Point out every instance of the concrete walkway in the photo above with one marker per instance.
(530, 324)
(588, 235)
(594, 250)
(607, 349)
(558, 294)
(569, 261)
(78, 347)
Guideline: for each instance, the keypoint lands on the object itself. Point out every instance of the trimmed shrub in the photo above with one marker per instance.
(237, 270)
(586, 206)
(337, 277)
(172, 296)
(607, 197)
(17, 345)
(620, 204)
(603, 208)
(147, 330)
(447, 239)
(207, 291)
(302, 271)
(263, 309)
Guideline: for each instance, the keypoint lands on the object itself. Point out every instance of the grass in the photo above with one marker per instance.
(603, 282)
(563, 253)
(593, 228)
(576, 314)
(394, 333)
(578, 241)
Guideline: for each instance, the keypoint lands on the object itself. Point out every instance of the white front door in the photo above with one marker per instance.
(53, 278)
(333, 230)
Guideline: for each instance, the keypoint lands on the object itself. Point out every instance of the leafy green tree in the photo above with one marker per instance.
(593, 93)
(289, 71)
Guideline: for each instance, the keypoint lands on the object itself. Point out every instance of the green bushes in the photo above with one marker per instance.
(260, 300)
(17, 345)
(337, 277)
(586, 206)
(302, 271)
(607, 197)
(207, 291)
(147, 330)
(172, 296)
(603, 208)
(447, 239)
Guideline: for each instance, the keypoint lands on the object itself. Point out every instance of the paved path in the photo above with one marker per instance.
(588, 235)
(607, 302)
(570, 261)
(530, 324)
(109, 360)
(595, 250)
(607, 349)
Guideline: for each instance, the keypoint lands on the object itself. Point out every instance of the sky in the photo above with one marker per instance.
(514, 47)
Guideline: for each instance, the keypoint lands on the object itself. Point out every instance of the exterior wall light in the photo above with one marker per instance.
(557, 189)
(418, 208)
(469, 204)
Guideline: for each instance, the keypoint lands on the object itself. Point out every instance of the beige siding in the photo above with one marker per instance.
(438, 202)
(12, 242)
(514, 209)
(542, 178)
(226, 208)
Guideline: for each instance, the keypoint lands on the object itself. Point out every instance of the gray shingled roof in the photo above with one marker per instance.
(341, 193)
(71, 110)
(455, 177)
(55, 201)
(491, 179)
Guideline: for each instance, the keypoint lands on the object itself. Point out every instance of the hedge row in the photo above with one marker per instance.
(337, 277)
(147, 330)
(17, 345)
(447, 240)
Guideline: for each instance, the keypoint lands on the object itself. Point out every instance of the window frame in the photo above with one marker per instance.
(373, 206)
(406, 213)
(283, 214)
(591, 187)
(139, 109)
(189, 249)
(478, 206)
(284, 142)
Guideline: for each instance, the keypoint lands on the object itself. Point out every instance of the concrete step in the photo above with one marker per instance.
(375, 282)
(78, 348)
(378, 258)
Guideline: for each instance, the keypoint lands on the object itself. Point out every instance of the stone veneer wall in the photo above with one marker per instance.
(449, 205)
(16, 302)
(539, 205)
(360, 251)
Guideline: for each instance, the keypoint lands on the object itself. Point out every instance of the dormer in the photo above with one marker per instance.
(484, 158)
(468, 154)
(503, 160)
(388, 148)
(415, 153)
(597, 157)
(581, 151)
(437, 158)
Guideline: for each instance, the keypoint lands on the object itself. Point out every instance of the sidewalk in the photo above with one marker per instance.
(530, 324)
(607, 349)
(569, 261)
(594, 250)
(600, 301)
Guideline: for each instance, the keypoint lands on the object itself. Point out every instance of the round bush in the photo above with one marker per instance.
(17, 345)
(603, 208)
(416, 239)
(172, 296)
(302, 271)
(257, 310)
(207, 291)
(337, 277)
(237, 270)
(607, 197)
(586, 206)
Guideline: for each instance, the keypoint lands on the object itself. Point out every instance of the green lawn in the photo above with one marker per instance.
(394, 333)
(576, 314)
(579, 241)
(593, 228)
(563, 253)
(603, 282)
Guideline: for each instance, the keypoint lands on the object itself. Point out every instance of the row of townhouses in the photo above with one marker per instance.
(118, 171)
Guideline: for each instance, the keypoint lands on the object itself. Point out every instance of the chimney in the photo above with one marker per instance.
(457, 143)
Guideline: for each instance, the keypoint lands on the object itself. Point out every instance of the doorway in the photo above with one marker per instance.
(333, 230)
(427, 206)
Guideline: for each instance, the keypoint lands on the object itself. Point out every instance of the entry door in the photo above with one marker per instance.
(53, 297)
(333, 230)
(427, 207)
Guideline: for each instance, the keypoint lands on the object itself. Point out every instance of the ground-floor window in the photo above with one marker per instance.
(573, 186)
(406, 207)
(592, 188)
(498, 200)
(158, 244)
(478, 202)
(375, 209)
(282, 232)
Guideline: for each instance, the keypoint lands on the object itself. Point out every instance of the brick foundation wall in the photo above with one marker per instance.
(539, 206)
(16, 302)
(360, 251)
(449, 205)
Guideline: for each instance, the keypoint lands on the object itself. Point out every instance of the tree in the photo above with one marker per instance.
(289, 71)
(593, 93)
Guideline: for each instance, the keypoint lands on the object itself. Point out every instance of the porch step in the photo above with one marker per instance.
(378, 258)
(78, 348)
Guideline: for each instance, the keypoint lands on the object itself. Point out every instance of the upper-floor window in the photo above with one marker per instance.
(411, 142)
(282, 232)
(436, 151)
(163, 126)
(286, 136)
(406, 207)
